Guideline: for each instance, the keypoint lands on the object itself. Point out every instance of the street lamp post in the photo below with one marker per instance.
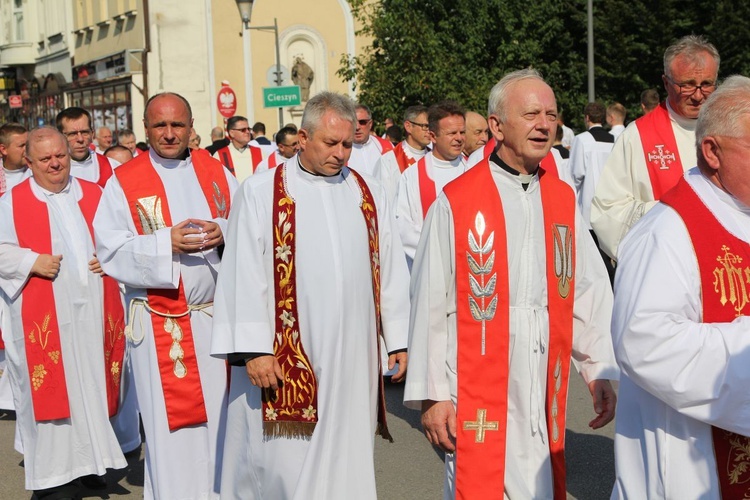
(246, 7)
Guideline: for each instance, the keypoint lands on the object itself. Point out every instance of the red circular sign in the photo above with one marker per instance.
(226, 101)
(15, 101)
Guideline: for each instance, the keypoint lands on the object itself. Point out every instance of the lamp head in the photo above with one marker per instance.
(246, 8)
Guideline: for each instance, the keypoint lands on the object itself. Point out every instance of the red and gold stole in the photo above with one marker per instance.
(660, 150)
(725, 294)
(403, 161)
(173, 334)
(39, 317)
(292, 411)
(105, 170)
(427, 190)
(483, 323)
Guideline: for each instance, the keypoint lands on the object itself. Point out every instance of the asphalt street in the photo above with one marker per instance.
(407, 469)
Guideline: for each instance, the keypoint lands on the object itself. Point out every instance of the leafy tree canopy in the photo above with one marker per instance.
(425, 51)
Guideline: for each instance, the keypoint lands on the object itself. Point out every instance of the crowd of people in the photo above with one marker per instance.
(244, 302)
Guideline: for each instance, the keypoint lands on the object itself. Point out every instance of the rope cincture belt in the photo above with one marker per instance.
(135, 303)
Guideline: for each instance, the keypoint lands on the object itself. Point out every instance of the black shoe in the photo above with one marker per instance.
(93, 482)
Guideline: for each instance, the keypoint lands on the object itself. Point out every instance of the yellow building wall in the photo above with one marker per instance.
(102, 28)
(303, 26)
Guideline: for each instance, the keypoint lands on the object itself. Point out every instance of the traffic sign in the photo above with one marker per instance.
(15, 101)
(226, 101)
(279, 97)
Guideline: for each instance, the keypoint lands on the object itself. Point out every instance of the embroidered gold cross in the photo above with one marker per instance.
(481, 425)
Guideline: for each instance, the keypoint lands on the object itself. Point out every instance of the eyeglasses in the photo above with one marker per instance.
(423, 126)
(364, 122)
(74, 134)
(243, 130)
(688, 89)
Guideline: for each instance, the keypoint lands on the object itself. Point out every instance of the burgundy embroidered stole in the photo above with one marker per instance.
(292, 410)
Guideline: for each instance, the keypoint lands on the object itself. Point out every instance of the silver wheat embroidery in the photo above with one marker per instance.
(482, 288)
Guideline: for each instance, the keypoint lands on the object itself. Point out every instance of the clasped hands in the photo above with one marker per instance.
(195, 235)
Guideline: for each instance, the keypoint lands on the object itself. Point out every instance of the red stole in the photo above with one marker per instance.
(292, 410)
(660, 150)
(225, 157)
(483, 323)
(427, 191)
(173, 335)
(385, 144)
(549, 164)
(39, 316)
(722, 261)
(403, 161)
(105, 169)
(272, 162)
(489, 147)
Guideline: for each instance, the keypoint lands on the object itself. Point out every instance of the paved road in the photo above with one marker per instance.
(409, 469)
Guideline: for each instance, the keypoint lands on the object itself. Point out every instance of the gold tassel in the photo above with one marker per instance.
(275, 430)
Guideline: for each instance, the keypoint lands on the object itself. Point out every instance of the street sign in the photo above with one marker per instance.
(271, 75)
(15, 101)
(279, 97)
(226, 101)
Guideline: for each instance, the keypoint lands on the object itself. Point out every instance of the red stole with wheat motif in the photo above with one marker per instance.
(724, 293)
(294, 413)
(483, 326)
(39, 317)
(170, 316)
(660, 150)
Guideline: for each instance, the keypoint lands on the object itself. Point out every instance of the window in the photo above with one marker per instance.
(18, 31)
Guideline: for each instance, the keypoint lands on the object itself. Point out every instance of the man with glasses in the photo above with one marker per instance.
(406, 153)
(287, 143)
(239, 156)
(653, 152)
(75, 124)
(367, 147)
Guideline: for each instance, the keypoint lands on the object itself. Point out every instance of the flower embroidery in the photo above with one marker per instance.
(283, 252)
(271, 414)
(287, 319)
(309, 412)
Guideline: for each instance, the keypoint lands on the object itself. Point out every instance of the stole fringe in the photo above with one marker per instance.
(275, 430)
(382, 431)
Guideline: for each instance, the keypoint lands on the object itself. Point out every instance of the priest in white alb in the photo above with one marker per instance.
(367, 147)
(158, 228)
(508, 295)
(420, 184)
(680, 326)
(654, 151)
(62, 323)
(313, 274)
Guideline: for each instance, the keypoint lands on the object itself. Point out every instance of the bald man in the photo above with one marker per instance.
(477, 132)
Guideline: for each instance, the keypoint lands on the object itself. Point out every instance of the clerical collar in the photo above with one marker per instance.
(314, 174)
(241, 150)
(524, 178)
(47, 193)
(414, 151)
(89, 158)
(455, 162)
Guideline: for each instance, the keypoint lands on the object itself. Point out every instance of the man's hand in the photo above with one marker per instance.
(195, 235)
(400, 358)
(265, 372)
(95, 266)
(47, 266)
(605, 401)
(439, 422)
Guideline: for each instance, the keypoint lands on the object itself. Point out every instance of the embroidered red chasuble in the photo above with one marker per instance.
(39, 317)
(292, 410)
(660, 150)
(173, 335)
(402, 159)
(483, 326)
(722, 261)
(225, 156)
